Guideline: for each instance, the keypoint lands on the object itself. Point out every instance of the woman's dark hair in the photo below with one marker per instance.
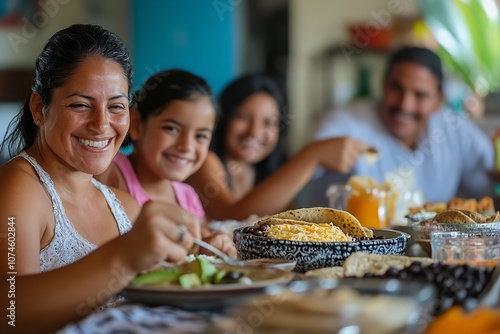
(229, 102)
(61, 55)
(166, 86)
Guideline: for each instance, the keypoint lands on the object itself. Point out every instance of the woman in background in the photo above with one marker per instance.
(242, 174)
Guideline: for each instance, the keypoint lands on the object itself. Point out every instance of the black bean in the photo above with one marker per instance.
(467, 268)
(448, 282)
(439, 278)
(477, 288)
(392, 272)
(447, 303)
(447, 292)
(455, 284)
(468, 276)
(461, 295)
(435, 265)
(458, 272)
(429, 275)
(470, 303)
(446, 267)
(402, 275)
(468, 284)
(480, 275)
(231, 277)
(415, 267)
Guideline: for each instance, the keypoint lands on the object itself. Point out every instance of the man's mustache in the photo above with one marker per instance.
(394, 111)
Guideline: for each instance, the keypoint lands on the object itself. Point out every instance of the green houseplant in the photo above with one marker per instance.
(468, 34)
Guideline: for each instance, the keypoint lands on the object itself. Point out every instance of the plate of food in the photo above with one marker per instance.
(200, 284)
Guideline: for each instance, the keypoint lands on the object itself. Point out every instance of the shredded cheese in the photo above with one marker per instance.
(312, 232)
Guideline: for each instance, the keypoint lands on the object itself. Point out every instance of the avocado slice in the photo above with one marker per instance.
(219, 276)
(203, 268)
(208, 270)
(155, 277)
(188, 281)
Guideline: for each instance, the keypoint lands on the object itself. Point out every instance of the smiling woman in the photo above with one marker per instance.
(66, 229)
(88, 124)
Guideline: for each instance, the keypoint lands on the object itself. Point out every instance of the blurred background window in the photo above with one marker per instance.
(322, 53)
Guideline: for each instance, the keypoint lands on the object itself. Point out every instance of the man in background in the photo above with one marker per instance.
(445, 154)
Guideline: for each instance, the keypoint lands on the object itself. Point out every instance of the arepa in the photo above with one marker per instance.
(343, 219)
(453, 217)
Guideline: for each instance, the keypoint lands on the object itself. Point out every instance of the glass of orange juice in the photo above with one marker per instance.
(365, 199)
(369, 206)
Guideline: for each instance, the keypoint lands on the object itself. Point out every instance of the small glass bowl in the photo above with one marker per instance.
(476, 247)
(423, 229)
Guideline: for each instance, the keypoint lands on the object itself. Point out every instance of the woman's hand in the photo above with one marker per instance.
(338, 154)
(222, 242)
(161, 232)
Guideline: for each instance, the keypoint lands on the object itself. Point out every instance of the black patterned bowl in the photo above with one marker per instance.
(315, 255)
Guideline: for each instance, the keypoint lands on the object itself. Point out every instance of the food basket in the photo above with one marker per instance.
(315, 255)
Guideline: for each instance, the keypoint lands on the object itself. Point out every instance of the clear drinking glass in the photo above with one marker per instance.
(477, 247)
(370, 205)
(337, 195)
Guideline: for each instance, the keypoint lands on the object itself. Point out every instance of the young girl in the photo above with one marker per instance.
(242, 174)
(171, 128)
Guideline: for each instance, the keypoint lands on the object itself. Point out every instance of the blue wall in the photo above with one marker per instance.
(194, 35)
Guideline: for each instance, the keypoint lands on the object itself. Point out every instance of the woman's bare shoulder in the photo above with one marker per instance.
(18, 173)
(23, 194)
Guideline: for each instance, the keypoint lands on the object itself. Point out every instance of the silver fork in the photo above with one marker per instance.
(224, 257)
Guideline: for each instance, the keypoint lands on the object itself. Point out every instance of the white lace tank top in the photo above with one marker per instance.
(68, 245)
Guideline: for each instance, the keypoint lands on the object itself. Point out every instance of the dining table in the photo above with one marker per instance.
(132, 315)
(252, 314)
